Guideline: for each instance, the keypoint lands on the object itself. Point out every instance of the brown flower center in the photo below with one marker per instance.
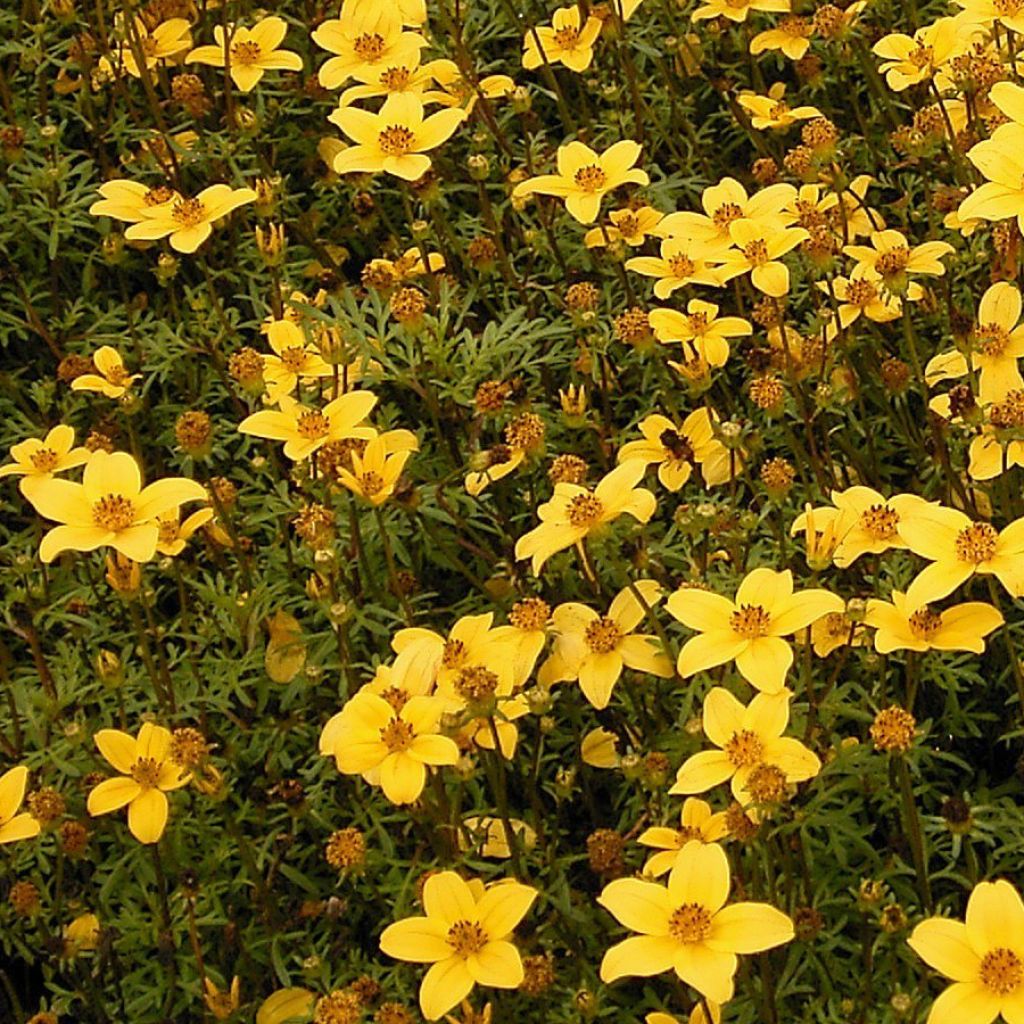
(756, 252)
(697, 322)
(369, 47)
(396, 140)
(1001, 971)
(766, 784)
(920, 56)
(113, 512)
(294, 358)
(372, 483)
(397, 735)
(681, 266)
(188, 212)
(532, 613)
(976, 543)
(880, 522)
(395, 79)
(750, 621)
(726, 214)
(312, 425)
(687, 833)
(395, 696)
(925, 623)
(45, 460)
(602, 635)
(567, 38)
(168, 530)
(476, 683)
(892, 262)
(454, 653)
(158, 195)
(146, 772)
(584, 510)
(246, 52)
(1007, 8)
(991, 339)
(466, 938)
(628, 225)
(689, 923)
(590, 178)
(861, 293)
(745, 749)
(778, 111)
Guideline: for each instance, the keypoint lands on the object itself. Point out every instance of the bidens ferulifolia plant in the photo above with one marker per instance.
(511, 513)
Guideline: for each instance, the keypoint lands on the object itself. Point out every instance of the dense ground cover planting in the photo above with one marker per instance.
(511, 513)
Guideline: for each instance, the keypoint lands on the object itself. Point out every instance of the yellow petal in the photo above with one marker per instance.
(416, 939)
(147, 816)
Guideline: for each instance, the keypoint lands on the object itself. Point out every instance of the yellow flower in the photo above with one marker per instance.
(908, 60)
(682, 261)
(293, 360)
(109, 508)
(459, 91)
(791, 36)
(696, 821)
(395, 139)
(629, 225)
(575, 512)
(375, 471)
(749, 629)
(567, 40)
(748, 738)
(488, 838)
(406, 267)
(996, 343)
(367, 39)
(374, 81)
(891, 259)
(147, 774)
(112, 380)
(249, 51)
(725, 204)
(1001, 160)
(687, 927)
(305, 431)
(594, 649)
(168, 40)
(15, 826)
(991, 457)
(836, 630)
(863, 521)
(498, 463)
(465, 937)
(129, 200)
(737, 10)
(903, 626)
(858, 295)
(1007, 13)
(423, 655)
(174, 535)
(700, 330)
(984, 958)
(772, 111)
(959, 547)
(584, 177)
(697, 1015)
(389, 747)
(187, 223)
(677, 449)
(758, 246)
(81, 935)
(36, 460)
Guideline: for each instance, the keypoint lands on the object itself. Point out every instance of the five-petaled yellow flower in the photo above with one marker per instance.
(305, 431)
(147, 774)
(688, 926)
(111, 378)
(584, 177)
(902, 626)
(984, 957)
(574, 512)
(390, 747)
(249, 52)
(752, 752)
(696, 821)
(109, 508)
(36, 460)
(188, 222)
(568, 40)
(594, 649)
(396, 139)
(465, 937)
(751, 628)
